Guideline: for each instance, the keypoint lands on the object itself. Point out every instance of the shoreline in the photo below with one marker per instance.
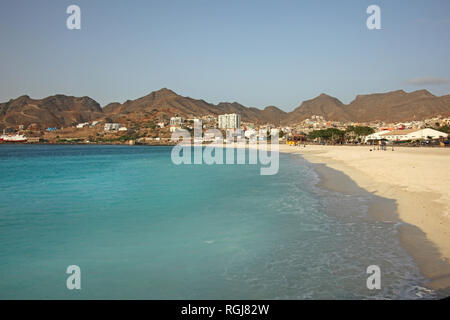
(409, 189)
(412, 239)
(426, 240)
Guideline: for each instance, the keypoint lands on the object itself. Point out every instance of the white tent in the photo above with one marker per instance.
(420, 134)
(375, 136)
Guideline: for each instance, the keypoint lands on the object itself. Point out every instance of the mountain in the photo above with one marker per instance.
(61, 110)
(53, 111)
(394, 106)
(165, 103)
(398, 106)
(324, 105)
(161, 104)
(270, 114)
(273, 115)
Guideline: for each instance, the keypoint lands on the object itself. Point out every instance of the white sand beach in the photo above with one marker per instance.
(418, 179)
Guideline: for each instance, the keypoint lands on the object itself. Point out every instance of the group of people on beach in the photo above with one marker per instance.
(382, 145)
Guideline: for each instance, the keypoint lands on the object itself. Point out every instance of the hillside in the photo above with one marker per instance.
(63, 111)
(164, 103)
(53, 111)
(324, 105)
(388, 107)
(398, 106)
(392, 106)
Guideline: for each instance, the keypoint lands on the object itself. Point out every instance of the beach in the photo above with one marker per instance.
(416, 178)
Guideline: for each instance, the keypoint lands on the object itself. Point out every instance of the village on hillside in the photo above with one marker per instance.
(316, 129)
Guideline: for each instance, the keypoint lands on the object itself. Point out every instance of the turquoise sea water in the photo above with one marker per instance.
(141, 227)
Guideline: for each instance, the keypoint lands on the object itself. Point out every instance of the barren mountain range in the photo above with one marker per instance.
(53, 111)
(61, 110)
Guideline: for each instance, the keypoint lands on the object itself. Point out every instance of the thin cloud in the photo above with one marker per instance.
(428, 81)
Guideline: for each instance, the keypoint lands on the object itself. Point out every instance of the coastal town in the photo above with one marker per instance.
(314, 130)
(225, 159)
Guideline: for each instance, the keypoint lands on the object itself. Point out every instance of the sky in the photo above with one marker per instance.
(258, 53)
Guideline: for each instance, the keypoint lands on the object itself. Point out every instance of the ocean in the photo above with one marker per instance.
(141, 227)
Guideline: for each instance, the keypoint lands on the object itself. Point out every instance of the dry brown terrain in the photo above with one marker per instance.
(63, 111)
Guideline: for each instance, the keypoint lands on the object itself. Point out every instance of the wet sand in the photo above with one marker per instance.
(411, 185)
(422, 208)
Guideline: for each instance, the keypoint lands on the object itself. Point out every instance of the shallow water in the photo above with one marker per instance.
(141, 227)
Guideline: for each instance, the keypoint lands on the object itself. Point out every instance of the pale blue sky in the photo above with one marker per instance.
(258, 53)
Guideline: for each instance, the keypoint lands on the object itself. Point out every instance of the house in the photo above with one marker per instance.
(175, 129)
(82, 125)
(274, 131)
(251, 133)
(112, 126)
(176, 121)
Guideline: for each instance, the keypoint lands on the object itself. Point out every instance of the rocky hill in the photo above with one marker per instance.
(165, 103)
(53, 111)
(392, 106)
(61, 110)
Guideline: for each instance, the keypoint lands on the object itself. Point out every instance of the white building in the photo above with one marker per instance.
(208, 136)
(112, 126)
(230, 121)
(82, 125)
(175, 129)
(176, 121)
(274, 131)
(251, 133)
(414, 134)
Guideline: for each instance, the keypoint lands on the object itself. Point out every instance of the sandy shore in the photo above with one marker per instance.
(418, 179)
